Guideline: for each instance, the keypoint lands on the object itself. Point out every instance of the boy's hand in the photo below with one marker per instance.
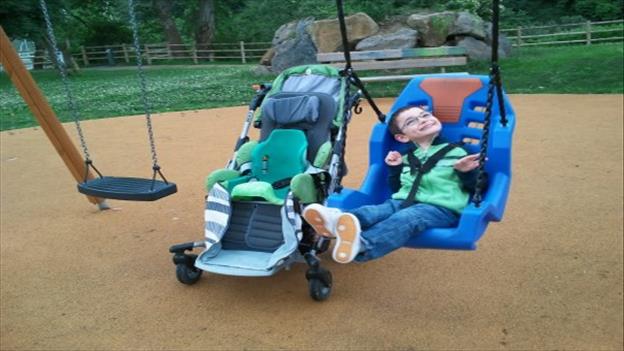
(393, 158)
(467, 163)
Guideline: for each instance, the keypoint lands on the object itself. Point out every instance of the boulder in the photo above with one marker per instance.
(433, 29)
(293, 45)
(467, 24)
(261, 70)
(326, 36)
(475, 49)
(401, 39)
(504, 44)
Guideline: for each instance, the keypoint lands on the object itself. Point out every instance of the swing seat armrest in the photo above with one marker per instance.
(496, 196)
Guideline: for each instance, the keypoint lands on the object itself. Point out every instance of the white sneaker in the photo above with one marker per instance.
(322, 219)
(347, 238)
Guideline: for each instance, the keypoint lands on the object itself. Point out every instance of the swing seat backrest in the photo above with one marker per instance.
(459, 101)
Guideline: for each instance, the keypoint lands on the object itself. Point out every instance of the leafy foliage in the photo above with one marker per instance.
(93, 22)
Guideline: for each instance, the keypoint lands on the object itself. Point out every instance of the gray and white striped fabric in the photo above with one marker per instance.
(292, 215)
(216, 215)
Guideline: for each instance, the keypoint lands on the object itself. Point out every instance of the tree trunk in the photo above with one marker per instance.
(204, 33)
(172, 35)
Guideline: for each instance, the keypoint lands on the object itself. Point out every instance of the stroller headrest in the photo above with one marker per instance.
(309, 80)
(297, 110)
(290, 109)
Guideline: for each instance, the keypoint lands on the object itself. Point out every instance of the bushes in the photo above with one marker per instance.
(252, 20)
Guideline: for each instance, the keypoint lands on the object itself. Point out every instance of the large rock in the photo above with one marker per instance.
(504, 44)
(261, 70)
(326, 33)
(293, 46)
(467, 24)
(401, 39)
(475, 48)
(433, 29)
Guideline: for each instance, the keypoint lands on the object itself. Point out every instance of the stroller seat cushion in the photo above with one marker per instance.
(257, 190)
(322, 155)
(243, 155)
(316, 133)
(304, 189)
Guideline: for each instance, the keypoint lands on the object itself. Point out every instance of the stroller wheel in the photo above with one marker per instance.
(320, 289)
(186, 274)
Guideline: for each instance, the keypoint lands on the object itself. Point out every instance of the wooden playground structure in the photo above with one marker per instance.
(42, 111)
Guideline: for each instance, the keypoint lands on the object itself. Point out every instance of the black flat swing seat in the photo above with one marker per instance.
(125, 188)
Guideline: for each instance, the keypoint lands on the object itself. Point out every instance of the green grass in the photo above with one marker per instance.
(580, 69)
(594, 69)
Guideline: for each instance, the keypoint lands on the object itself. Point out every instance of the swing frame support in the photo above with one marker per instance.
(45, 116)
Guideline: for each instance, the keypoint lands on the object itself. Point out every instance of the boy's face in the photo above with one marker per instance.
(417, 125)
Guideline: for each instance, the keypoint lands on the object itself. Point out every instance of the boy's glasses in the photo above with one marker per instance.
(411, 120)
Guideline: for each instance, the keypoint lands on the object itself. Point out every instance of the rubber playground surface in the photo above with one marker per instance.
(549, 276)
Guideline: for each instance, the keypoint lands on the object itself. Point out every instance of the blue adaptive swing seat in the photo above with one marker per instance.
(459, 101)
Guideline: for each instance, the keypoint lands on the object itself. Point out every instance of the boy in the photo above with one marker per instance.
(437, 200)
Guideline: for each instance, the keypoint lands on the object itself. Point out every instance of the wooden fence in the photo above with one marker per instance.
(125, 53)
(573, 33)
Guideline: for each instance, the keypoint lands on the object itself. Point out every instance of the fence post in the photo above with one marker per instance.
(125, 53)
(194, 52)
(588, 36)
(85, 59)
(147, 56)
(519, 36)
(242, 50)
(169, 51)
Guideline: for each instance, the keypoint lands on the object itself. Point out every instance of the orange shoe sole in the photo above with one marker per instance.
(318, 222)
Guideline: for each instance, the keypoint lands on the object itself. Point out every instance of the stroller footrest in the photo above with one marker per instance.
(238, 262)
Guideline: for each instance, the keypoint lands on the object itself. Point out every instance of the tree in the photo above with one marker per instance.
(164, 8)
(205, 29)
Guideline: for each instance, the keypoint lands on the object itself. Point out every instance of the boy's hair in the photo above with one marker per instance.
(393, 126)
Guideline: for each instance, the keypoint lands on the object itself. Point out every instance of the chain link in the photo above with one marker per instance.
(142, 81)
(73, 106)
(477, 197)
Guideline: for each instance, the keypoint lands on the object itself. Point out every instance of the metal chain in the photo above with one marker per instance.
(68, 92)
(478, 197)
(142, 81)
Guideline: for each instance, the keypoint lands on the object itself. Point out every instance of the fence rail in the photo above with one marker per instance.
(125, 54)
(112, 54)
(571, 33)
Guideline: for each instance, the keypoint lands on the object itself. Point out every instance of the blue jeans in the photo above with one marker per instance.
(387, 227)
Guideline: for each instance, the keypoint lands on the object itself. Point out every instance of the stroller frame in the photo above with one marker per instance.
(310, 245)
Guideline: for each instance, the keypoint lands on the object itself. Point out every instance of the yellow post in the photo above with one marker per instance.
(40, 108)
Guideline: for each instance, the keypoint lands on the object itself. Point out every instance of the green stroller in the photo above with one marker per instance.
(253, 225)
